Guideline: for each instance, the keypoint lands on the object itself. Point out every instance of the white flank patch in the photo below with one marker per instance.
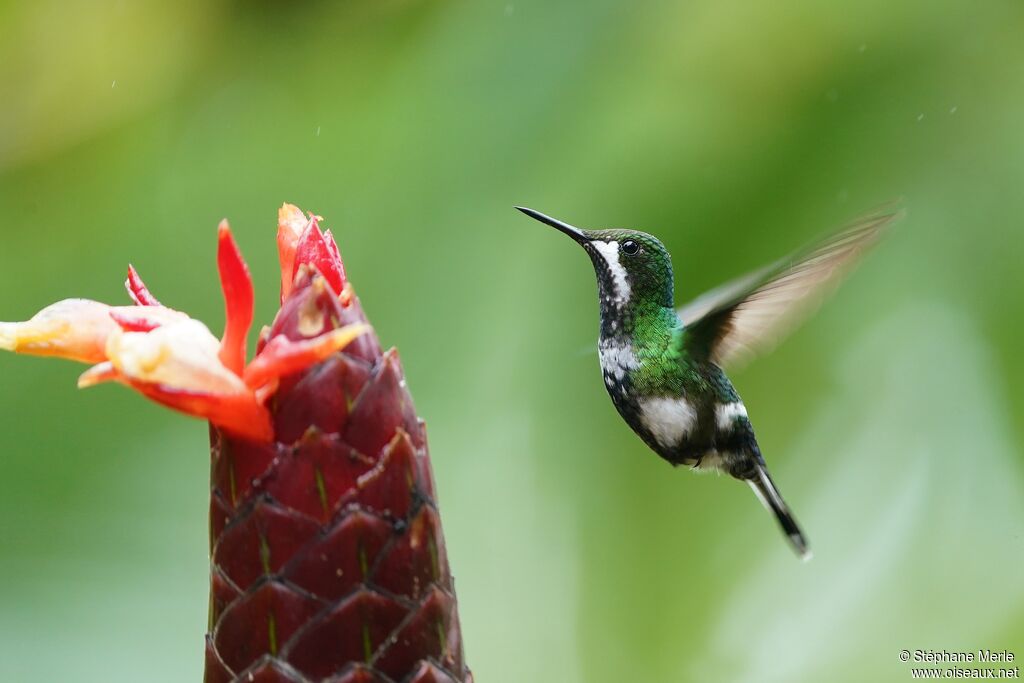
(668, 419)
(609, 251)
(726, 413)
(617, 358)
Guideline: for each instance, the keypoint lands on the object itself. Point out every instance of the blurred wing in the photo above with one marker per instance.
(736, 321)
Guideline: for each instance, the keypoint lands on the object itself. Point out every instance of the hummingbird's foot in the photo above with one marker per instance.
(711, 460)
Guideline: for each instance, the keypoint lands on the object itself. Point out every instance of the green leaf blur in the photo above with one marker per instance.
(733, 130)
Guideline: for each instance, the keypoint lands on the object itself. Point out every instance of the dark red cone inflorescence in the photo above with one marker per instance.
(327, 557)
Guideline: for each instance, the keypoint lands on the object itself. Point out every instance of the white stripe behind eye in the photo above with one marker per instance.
(609, 251)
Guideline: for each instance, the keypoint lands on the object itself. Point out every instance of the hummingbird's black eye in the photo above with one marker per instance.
(630, 247)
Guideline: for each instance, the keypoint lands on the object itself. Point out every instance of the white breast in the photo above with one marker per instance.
(668, 419)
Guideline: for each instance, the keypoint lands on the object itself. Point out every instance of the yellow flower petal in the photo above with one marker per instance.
(74, 328)
(182, 355)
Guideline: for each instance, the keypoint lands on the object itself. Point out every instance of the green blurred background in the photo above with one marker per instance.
(734, 130)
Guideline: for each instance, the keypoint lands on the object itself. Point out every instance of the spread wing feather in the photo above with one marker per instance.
(749, 315)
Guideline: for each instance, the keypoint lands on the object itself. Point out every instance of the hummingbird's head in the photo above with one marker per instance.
(632, 267)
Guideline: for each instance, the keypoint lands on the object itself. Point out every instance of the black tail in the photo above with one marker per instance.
(765, 489)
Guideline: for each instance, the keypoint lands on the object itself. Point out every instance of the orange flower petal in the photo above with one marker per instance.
(291, 222)
(239, 414)
(282, 356)
(238, 299)
(137, 290)
(178, 365)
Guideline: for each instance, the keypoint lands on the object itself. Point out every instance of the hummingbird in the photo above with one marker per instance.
(663, 367)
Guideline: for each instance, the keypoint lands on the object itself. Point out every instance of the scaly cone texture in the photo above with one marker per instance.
(327, 557)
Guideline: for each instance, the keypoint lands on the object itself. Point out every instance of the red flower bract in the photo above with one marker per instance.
(327, 557)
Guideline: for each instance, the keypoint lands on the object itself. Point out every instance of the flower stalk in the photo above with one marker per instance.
(327, 554)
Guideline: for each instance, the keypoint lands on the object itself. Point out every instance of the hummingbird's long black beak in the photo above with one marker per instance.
(569, 230)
